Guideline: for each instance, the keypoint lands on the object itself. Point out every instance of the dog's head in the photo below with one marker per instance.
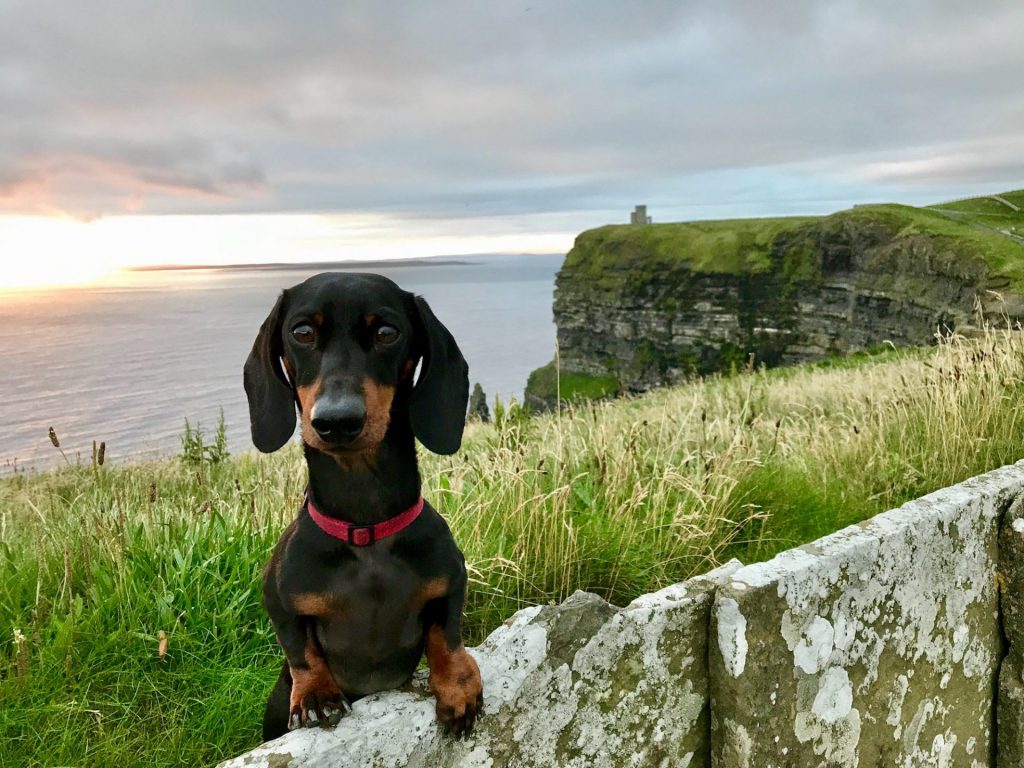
(344, 347)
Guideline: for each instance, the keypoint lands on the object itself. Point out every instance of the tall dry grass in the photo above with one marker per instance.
(626, 496)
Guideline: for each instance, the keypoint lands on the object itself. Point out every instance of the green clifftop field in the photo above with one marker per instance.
(969, 228)
(619, 498)
(1003, 212)
(642, 306)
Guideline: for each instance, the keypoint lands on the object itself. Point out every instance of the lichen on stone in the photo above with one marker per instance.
(893, 622)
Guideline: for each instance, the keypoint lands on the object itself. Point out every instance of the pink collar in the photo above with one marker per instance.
(363, 535)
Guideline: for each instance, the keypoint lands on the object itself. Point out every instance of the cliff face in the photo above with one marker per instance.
(647, 306)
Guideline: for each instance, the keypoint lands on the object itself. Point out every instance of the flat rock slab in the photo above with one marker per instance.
(579, 684)
(876, 646)
(1011, 673)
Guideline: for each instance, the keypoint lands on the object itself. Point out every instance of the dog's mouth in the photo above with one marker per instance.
(338, 438)
(332, 441)
(341, 446)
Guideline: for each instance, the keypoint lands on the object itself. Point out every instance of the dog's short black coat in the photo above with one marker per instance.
(343, 349)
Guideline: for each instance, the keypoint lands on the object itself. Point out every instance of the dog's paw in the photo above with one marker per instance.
(458, 715)
(455, 683)
(318, 708)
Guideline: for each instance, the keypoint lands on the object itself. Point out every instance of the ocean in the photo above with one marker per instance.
(127, 360)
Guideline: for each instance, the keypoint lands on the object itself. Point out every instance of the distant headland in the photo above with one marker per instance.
(427, 261)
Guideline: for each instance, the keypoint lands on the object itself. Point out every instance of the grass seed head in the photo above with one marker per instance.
(20, 654)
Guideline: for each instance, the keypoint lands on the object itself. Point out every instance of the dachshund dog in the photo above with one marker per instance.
(367, 577)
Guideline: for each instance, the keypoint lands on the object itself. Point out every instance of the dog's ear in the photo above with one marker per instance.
(271, 401)
(437, 406)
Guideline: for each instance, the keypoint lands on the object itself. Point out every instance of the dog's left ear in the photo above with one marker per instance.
(271, 400)
(437, 406)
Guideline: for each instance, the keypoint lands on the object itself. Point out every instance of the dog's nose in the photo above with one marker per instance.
(339, 420)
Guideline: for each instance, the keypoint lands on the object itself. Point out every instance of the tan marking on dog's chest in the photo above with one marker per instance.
(314, 604)
(431, 589)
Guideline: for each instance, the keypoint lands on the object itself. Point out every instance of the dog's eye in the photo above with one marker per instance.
(304, 333)
(386, 334)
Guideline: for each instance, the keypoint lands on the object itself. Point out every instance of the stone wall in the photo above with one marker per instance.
(880, 645)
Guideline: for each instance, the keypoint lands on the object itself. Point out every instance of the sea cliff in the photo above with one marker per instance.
(641, 306)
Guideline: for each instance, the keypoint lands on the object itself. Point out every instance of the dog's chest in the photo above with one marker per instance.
(372, 583)
(372, 601)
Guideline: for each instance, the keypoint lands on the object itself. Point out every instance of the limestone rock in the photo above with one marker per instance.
(478, 405)
(877, 645)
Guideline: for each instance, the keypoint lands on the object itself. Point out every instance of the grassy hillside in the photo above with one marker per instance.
(971, 228)
(619, 498)
(992, 211)
(1002, 255)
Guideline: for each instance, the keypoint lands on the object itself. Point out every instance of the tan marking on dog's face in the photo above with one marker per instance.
(378, 398)
(307, 394)
(361, 452)
(369, 319)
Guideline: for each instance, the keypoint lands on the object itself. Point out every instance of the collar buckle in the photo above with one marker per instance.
(362, 535)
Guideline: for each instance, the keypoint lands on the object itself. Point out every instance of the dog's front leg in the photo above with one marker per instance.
(454, 675)
(315, 696)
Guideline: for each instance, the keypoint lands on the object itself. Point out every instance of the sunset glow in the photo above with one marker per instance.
(40, 251)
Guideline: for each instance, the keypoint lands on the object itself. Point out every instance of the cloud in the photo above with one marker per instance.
(461, 109)
(999, 159)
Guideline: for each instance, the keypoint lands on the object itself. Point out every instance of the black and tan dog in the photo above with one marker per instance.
(368, 576)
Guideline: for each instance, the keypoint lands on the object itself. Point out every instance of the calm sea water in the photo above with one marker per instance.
(129, 360)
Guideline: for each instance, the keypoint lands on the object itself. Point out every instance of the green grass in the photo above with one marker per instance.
(989, 213)
(544, 381)
(1002, 255)
(987, 206)
(93, 565)
(981, 206)
(728, 247)
(620, 498)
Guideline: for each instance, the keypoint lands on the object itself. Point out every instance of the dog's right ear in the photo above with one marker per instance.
(271, 400)
(437, 407)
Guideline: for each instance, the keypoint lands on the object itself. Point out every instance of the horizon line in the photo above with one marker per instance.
(435, 259)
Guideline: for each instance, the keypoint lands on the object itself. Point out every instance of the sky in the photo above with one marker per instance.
(245, 131)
